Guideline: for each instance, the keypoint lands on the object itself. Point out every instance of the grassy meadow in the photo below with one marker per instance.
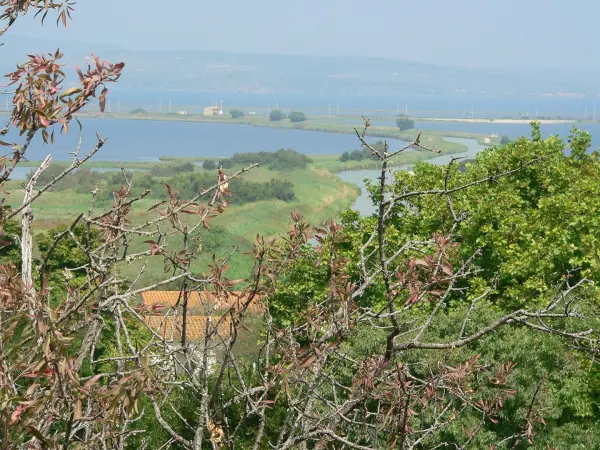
(319, 196)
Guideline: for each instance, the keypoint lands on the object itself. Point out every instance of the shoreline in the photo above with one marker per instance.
(501, 121)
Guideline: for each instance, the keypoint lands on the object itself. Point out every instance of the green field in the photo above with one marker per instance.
(319, 196)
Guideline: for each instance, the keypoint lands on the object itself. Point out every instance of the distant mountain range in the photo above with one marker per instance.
(245, 72)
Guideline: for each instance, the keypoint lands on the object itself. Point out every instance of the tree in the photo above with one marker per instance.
(138, 111)
(276, 115)
(504, 139)
(296, 116)
(70, 254)
(209, 164)
(236, 113)
(404, 123)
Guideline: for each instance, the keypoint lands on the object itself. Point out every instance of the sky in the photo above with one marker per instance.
(467, 33)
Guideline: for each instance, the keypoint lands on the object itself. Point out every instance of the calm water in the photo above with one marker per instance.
(140, 140)
(363, 203)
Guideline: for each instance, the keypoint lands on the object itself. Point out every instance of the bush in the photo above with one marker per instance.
(296, 116)
(209, 164)
(404, 123)
(169, 170)
(282, 159)
(504, 140)
(236, 113)
(188, 185)
(138, 111)
(362, 154)
(81, 180)
(276, 115)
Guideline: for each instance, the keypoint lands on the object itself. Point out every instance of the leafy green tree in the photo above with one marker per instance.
(66, 253)
(296, 116)
(528, 232)
(10, 240)
(236, 113)
(504, 139)
(404, 123)
(276, 115)
(138, 111)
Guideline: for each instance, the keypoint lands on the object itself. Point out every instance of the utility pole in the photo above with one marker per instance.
(169, 105)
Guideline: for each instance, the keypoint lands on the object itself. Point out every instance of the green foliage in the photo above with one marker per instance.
(189, 185)
(138, 111)
(10, 250)
(296, 116)
(404, 123)
(564, 399)
(504, 139)
(302, 284)
(236, 113)
(276, 115)
(282, 159)
(82, 180)
(537, 224)
(362, 154)
(209, 164)
(533, 229)
(67, 254)
(169, 170)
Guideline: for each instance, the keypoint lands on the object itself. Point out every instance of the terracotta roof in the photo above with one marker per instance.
(171, 328)
(202, 301)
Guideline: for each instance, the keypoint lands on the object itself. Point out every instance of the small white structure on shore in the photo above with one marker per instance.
(214, 110)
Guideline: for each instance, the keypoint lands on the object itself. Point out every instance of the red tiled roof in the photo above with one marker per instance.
(171, 329)
(203, 301)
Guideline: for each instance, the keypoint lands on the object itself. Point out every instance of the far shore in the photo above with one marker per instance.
(500, 121)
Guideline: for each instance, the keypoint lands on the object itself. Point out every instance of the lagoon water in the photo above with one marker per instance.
(141, 140)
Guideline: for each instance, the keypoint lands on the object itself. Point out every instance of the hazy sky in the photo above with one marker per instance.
(474, 33)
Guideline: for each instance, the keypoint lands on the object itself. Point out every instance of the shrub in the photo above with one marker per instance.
(282, 159)
(296, 116)
(404, 123)
(236, 113)
(169, 170)
(276, 115)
